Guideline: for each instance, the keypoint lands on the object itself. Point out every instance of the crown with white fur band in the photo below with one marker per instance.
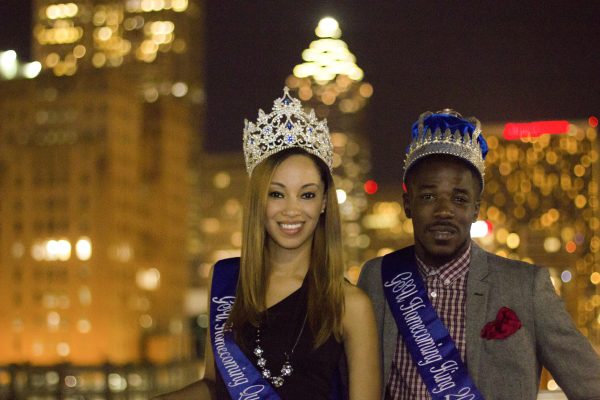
(287, 126)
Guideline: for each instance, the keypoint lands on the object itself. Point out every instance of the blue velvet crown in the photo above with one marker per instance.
(447, 132)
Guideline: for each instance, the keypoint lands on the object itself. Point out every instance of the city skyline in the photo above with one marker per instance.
(508, 62)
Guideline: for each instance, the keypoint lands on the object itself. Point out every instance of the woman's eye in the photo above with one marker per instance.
(276, 195)
(309, 195)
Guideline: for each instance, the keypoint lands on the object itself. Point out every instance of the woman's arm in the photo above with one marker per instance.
(361, 346)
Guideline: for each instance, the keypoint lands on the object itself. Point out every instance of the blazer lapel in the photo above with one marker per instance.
(477, 299)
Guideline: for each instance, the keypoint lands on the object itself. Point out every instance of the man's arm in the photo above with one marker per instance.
(562, 349)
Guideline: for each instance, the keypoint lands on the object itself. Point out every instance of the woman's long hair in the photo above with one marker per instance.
(325, 276)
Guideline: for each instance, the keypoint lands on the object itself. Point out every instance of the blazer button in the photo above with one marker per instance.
(433, 294)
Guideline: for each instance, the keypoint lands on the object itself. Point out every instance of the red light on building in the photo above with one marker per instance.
(371, 186)
(593, 121)
(518, 130)
(571, 247)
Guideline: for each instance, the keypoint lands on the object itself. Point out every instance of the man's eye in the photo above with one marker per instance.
(460, 200)
(427, 196)
(309, 195)
(276, 195)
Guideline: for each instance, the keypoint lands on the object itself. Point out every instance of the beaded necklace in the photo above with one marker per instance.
(286, 369)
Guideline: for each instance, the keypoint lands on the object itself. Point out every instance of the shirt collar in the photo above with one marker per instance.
(449, 272)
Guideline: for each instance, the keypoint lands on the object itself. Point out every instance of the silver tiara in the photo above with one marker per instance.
(463, 145)
(287, 126)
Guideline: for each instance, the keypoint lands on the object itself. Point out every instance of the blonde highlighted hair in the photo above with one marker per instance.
(325, 276)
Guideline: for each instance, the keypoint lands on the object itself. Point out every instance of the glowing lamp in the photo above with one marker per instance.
(518, 130)
(481, 229)
(593, 121)
(341, 196)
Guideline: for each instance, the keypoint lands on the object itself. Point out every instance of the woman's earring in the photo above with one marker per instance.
(322, 210)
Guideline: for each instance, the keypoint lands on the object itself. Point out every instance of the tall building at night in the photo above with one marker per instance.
(80, 34)
(330, 82)
(95, 157)
(541, 199)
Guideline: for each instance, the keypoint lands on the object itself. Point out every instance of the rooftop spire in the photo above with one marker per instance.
(328, 56)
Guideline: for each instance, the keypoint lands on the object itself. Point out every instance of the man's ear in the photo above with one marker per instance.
(406, 204)
(476, 212)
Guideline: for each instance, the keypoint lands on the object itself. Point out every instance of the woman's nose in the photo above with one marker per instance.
(291, 208)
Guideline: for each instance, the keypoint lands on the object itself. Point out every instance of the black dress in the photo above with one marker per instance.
(314, 369)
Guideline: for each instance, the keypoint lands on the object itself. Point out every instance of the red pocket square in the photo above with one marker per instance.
(505, 324)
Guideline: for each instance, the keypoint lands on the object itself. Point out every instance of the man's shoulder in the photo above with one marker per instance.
(373, 263)
(500, 263)
(371, 270)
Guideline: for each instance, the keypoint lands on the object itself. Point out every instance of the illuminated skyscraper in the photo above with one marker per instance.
(157, 44)
(92, 210)
(541, 197)
(81, 34)
(95, 180)
(330, 82)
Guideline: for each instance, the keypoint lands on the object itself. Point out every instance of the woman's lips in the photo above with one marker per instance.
(291, 228)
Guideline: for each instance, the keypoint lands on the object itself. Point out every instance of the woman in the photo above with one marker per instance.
(278, 330)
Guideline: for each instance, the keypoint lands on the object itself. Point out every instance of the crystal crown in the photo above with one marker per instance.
(287, 126)
(447, 132)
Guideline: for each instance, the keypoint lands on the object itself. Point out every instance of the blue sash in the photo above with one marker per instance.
(427, 339)
(242, 379)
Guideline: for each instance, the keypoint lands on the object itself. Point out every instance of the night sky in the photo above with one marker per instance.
(497, 60)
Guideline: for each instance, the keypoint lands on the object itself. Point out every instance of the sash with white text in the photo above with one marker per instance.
(427, 339)
(242, 379)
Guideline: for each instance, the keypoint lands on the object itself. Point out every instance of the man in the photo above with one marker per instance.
(455, 321)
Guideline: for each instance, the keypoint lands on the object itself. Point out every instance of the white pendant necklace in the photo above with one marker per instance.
(261, 361)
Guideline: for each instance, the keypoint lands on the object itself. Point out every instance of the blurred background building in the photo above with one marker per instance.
(99, 154)
(330, 82)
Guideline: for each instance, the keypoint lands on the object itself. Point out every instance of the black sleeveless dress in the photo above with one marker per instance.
(314, 369)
